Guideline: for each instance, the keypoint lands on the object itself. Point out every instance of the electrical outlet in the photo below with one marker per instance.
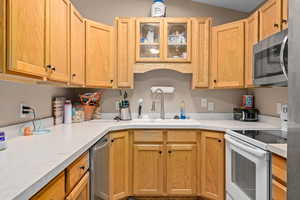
(204, 103)
(22, 114)
(278, 108)
(211, 106)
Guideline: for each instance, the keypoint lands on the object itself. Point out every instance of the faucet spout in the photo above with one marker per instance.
(162, 102)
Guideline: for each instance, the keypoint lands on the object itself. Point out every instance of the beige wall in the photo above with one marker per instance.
(106, 10)
(224, 100)
(13, 94)
(267, 98)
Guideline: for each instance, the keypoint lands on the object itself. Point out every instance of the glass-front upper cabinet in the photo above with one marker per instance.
(177, 43)
(149, 40)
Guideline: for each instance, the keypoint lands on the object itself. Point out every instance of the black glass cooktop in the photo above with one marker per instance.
(266, 136)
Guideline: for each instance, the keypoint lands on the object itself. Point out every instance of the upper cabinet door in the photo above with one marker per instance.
(125, 51)
(201, 32)
(228, 55)
(77, 50)
(270, 18)
(177, 41)
(285, 14)
(181, 169)
(27, 36)
(58, 49)
(251, 36)
(149, 36)
(99, 55)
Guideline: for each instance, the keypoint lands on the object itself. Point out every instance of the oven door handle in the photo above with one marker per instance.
(254, 151)
(283, 67)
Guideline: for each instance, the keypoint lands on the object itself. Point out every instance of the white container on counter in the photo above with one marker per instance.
(68, 112)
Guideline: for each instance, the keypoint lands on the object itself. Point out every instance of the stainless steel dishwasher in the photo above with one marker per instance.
(100, 169)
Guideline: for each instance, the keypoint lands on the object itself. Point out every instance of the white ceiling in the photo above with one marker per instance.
(240, 5)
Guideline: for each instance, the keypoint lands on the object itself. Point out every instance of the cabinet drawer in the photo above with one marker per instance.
(279, 191)
(76, 171)
(279, 168)
(182, 136)
(54, 190)
(148, 136)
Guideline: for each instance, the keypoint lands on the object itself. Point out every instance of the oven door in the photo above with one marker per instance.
(247, 171)
(270, 61)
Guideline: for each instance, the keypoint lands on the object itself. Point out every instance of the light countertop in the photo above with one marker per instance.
(29, 163)
(279, 149)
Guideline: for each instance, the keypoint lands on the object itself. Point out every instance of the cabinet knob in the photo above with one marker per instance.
(160, 152)
(276, 25)
(82, 167)
(73, 75)
(53, 69)
(112, 140)
(169, 151)
(215, 81)
(111, 81)
(220, 140)
(284, 21)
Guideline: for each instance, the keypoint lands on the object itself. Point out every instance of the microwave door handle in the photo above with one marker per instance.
(283, 67)
(255, 152)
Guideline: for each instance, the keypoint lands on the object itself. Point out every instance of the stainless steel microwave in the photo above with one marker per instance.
(270, 60)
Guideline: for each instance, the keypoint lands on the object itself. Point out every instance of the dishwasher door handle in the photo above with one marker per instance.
(252, 150)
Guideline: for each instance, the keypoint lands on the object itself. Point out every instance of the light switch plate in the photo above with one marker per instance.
(211, 106)
(203, 103)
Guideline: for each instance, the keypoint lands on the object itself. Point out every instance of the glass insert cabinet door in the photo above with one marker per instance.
(149, 37)
(178, 40)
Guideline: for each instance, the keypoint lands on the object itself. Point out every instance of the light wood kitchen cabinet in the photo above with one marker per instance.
(201, 34)
(177, 39)
(125, 47)
(26, 33)
(58, 56)
(285, 14)
(149, 39)
(99, 55)
(148, 169)
(76, 171)
(270, 18)
(119, 165)
(81, 191)
(77, 47)
(54, 190)
(228, 55)
(212, 165)
(181, 169)
(2, 35)
(279, 178)
(251, 38)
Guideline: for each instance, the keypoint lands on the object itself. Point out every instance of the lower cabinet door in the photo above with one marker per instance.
(148, 169)
(181, 169)
(212, 165)
(119, 165)
(81, 190)
(54, 190)
(279, 191)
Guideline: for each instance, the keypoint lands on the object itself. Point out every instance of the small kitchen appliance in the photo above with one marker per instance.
(248, 163)
(245, 114)
(124, 109)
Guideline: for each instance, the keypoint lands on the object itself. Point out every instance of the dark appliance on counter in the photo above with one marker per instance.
(245, 114)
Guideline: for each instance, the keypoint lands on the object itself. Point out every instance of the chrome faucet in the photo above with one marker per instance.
(162, 102)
